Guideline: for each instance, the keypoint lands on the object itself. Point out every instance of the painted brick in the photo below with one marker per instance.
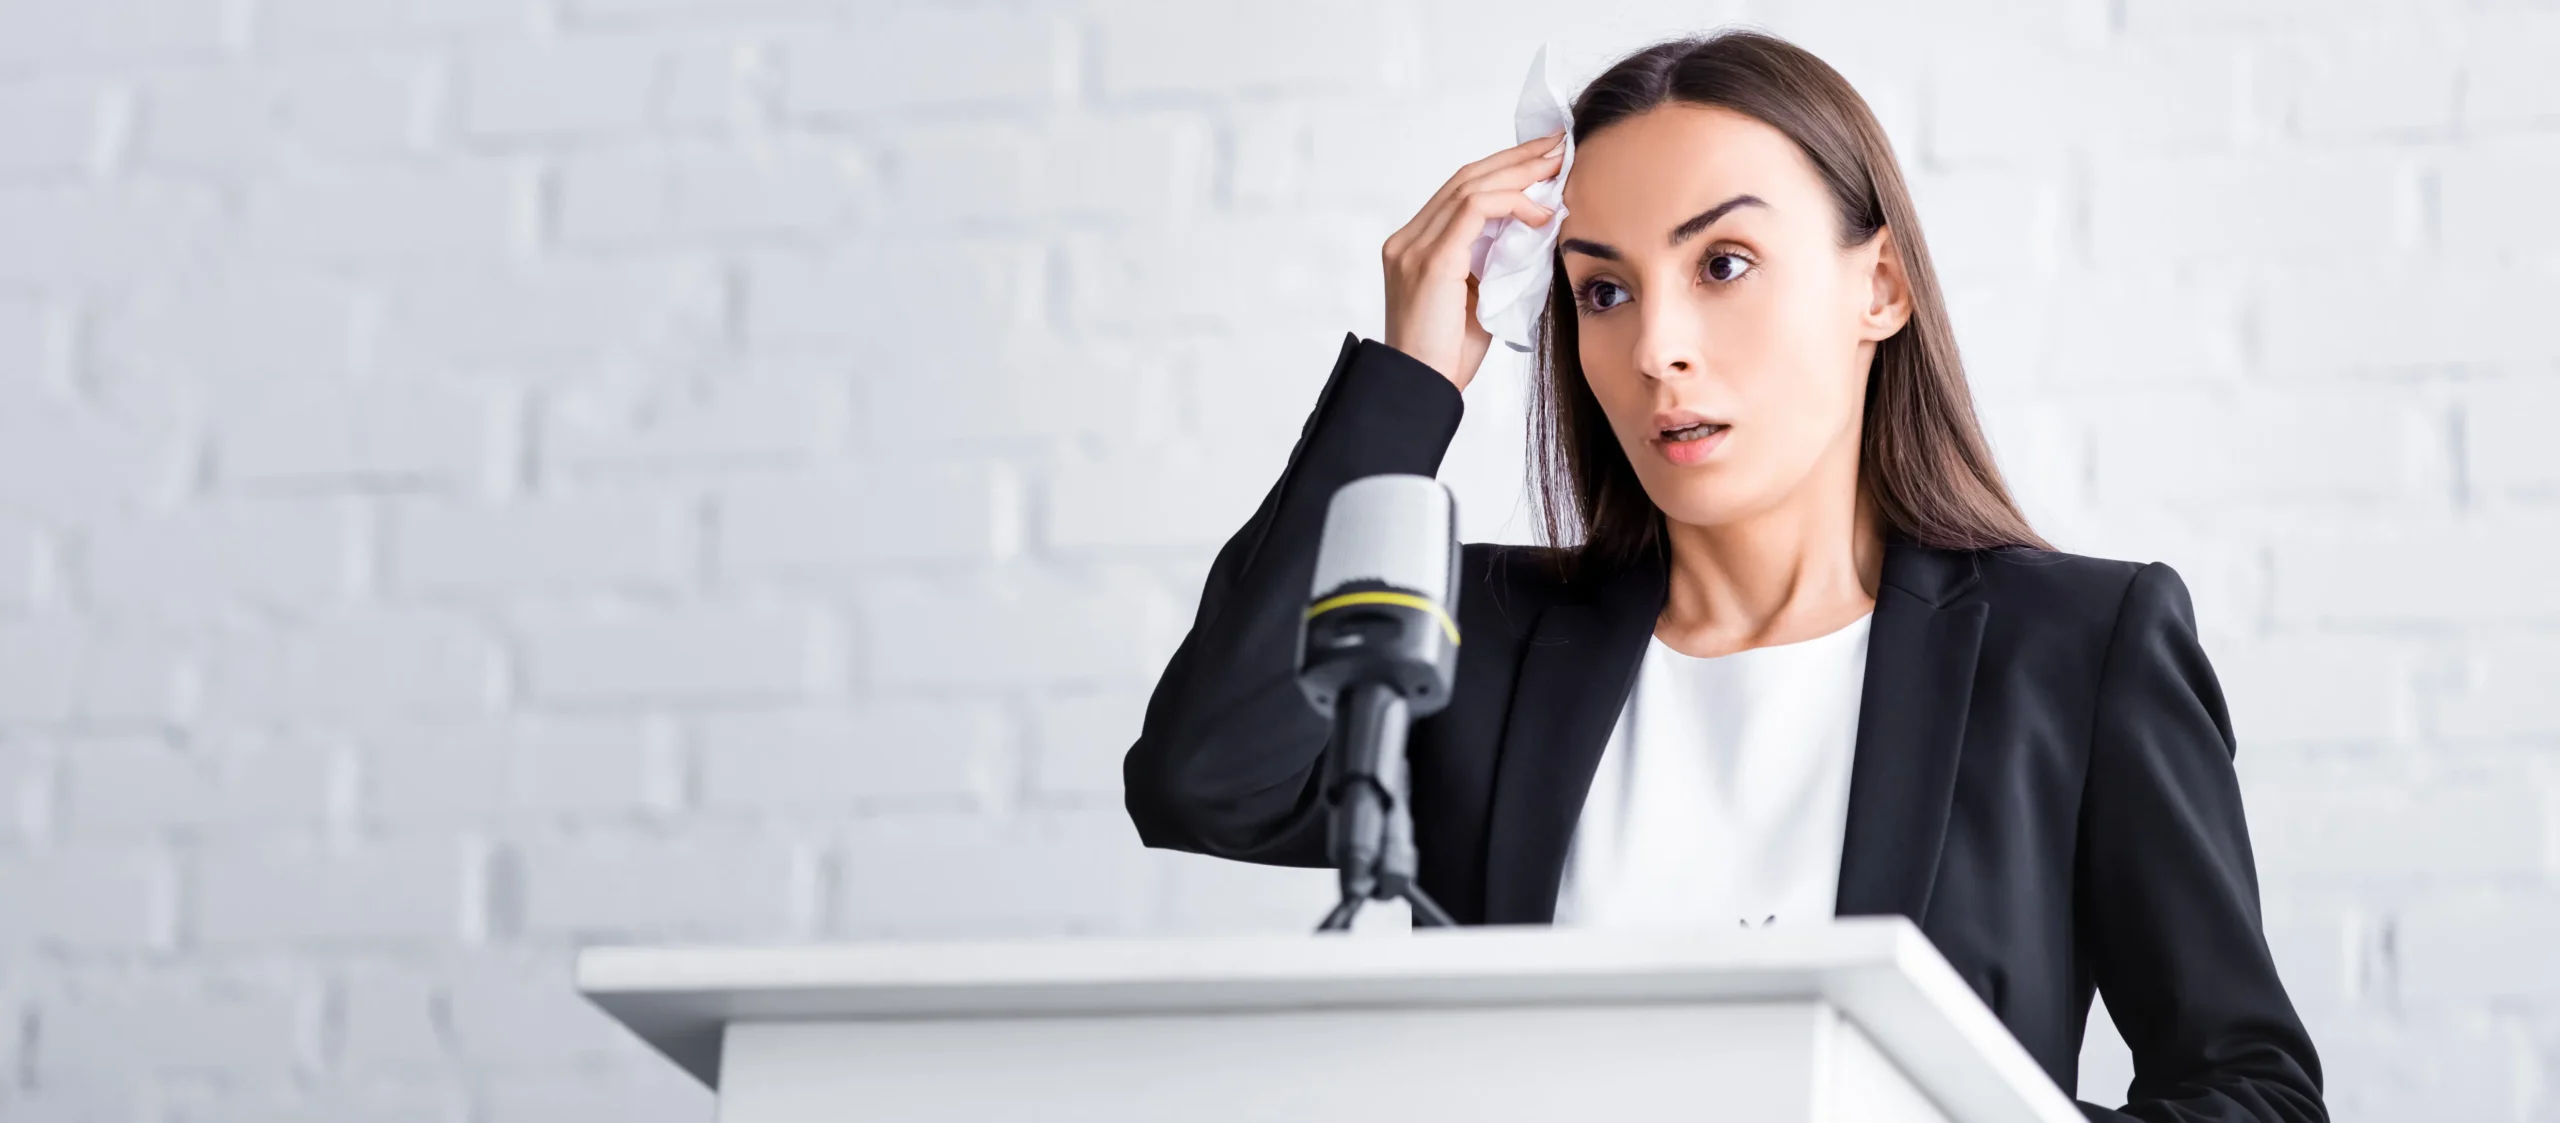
(697, 655)
(366, 434)
(894, 64)
(576, 87)
(2169, 209)
(2505, 690)
(50, 129)
(56, 672)
(2486, 200)
(955, 512)
(703, 884)
(1149, 48)
(102, 236)
(1053, 630)
(464, 212)
(132, 788)
(518, 1009)
(86, 900)
(2427, 316)
(667, 195)
(404, 890)
(2296, 446)
(1059, 872)
(121, 31)
(2509, 76)
(2418, 571)
(769, 419)
(362, 666)
(940, 291)
(562, 317)
(249, 1028)
(2505, 453)
(515, 771)
(838, 762)
(2485, 945)
(299, 25)
(24, 565)
(1172, 497)
(277, 119)
(280, 552)
(283, 328)
(2400, 830)
(1082, 738)
(585, 541)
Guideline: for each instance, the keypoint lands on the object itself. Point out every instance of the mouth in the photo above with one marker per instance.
(1686, 441)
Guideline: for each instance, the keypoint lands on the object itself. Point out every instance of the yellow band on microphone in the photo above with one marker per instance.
(1407, 600)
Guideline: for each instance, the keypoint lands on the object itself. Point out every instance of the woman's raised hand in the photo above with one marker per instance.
(1431, 298)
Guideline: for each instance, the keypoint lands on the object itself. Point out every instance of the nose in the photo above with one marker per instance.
(1669, 339)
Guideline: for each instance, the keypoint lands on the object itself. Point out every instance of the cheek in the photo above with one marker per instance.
(1625, 396)
(1796, 356)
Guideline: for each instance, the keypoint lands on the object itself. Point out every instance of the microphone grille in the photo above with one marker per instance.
(1395, 529)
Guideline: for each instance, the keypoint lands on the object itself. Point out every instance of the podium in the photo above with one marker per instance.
(1859, 1019)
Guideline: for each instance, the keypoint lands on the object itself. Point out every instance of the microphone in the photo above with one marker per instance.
(1379, 648)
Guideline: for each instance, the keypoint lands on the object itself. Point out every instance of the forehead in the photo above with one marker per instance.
(1635, 180)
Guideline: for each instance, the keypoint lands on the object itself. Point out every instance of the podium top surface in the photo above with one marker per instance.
(1879, 972)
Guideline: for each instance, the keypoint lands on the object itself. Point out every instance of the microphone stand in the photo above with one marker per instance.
(1371, 840)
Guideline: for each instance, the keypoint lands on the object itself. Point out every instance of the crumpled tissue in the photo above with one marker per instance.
(1513, 261)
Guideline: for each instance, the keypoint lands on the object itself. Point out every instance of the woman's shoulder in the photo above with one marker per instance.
(2056, 590)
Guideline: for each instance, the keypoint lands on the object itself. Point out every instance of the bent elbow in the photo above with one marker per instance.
(1278, 824)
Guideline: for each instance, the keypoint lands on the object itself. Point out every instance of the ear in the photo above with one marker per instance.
(1888, 289)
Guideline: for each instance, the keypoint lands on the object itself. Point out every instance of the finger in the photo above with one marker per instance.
(1514, 178)
(1466, 217)
(1526, 152)
(1466, 220)
(1529, 149)
(1528, 158)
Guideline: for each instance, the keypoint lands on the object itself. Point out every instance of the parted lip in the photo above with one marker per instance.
(1668, 420)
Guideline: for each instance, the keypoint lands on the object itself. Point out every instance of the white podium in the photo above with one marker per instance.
(1855, 1020)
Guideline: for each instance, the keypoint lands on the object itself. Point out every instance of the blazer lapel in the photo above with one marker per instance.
(1581, 661)
(1921, 649)
(1575, 673)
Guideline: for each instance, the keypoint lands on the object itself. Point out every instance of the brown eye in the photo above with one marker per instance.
(1726, 266)
(1591, 298)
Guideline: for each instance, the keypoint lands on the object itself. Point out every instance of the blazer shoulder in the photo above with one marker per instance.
(2078, 599)
(2058, 581)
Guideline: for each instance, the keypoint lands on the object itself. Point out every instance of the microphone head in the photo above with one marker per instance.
(1396, 531)
(1383, 608)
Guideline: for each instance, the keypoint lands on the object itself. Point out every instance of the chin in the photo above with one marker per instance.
(1700, 503)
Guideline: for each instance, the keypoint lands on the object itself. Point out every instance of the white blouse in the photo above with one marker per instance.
(1723, 792)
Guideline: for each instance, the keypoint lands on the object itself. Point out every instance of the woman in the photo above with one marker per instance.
(1806, 658)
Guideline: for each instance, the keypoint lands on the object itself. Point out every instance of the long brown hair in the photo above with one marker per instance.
(1922, 459)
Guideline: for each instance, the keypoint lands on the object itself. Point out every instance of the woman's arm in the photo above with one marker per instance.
(1227, 759)
(2168, 893)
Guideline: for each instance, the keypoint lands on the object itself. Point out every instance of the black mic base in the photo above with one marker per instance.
(1427, 913)
(1371, 841)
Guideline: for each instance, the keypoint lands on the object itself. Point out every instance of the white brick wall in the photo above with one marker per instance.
(479, 476)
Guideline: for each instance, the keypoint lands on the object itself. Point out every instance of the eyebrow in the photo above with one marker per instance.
(1681, 233)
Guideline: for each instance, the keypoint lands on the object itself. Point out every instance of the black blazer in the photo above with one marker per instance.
(2042, 777)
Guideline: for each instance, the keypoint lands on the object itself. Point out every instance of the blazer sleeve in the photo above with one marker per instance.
(1228, 757)
(2167, 889)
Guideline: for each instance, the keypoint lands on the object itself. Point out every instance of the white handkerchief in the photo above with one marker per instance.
(1513, 261)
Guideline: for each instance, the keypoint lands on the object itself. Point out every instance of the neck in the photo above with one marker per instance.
(1803, 569)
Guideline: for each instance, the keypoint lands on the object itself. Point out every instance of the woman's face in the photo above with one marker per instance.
(1710, 287)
